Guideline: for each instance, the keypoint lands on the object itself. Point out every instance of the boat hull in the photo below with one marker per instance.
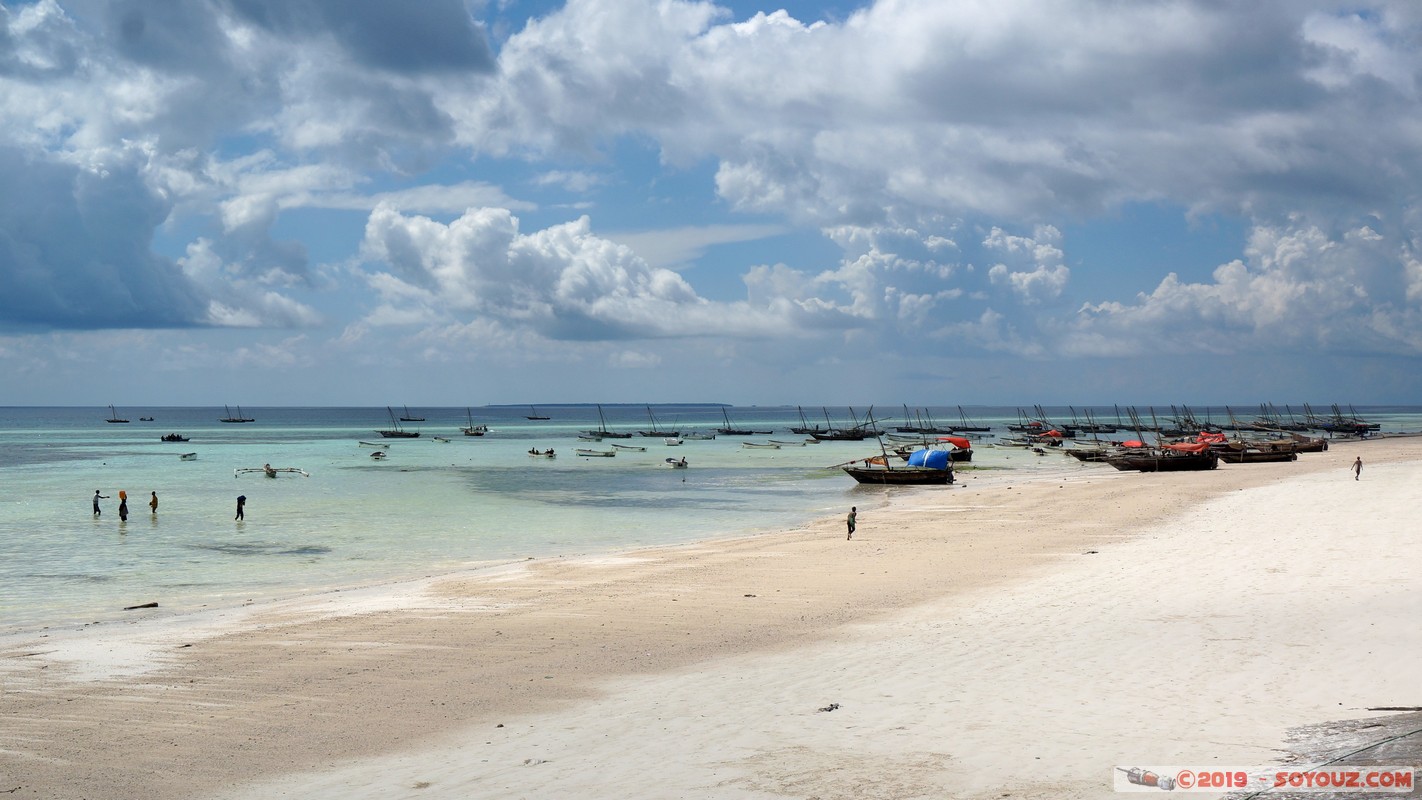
(901, 476)
(1154, 463)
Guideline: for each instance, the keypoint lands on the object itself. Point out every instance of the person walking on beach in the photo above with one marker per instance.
(853, 512)
(153, 504)
(97, 498)
(1357, 468)
(241, 501)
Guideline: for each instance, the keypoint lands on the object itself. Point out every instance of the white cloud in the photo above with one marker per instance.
(563, 281)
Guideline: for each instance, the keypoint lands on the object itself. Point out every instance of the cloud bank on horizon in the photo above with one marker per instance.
(643, 183)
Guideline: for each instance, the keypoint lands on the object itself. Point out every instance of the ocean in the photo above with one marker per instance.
(428, 507)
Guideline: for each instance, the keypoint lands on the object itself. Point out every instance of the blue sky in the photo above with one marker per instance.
(316, 202)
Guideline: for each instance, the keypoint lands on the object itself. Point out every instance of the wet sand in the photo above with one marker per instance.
(1004, 636)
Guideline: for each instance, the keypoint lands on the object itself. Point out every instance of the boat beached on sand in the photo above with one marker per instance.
(924, 468)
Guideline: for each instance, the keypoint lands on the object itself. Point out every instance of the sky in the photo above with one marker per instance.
(929, 202)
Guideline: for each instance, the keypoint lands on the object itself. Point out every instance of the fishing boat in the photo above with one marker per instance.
(672, 441)
(408, 418)
(731, 430)
(761, 445)
(188, 457)
(395, 431)
(378, 455)
(585, 453)
(1254, 455)
(788, 444)
(235, 418)
(533, 414)
(805, 429)
(633, 447)
(269, 471)
(924, 468)
(145, 419)
(471, 429)
(113, 416)
(439, 439)
(602, 432)
(967, 425)
(536, 453)
(656, 430)
(1167, 458)
(676, 463)
(173, 437)
(373, 444)
(705, 437)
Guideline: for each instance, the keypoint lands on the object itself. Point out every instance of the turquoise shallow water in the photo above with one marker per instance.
(429, 507)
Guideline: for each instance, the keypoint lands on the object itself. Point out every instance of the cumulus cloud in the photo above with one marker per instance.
(563, 281)
(1298, 289)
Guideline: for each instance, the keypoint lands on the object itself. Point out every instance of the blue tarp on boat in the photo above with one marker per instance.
(932, 459)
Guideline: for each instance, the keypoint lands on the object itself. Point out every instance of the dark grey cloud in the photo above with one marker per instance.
(74, 251)
(426, 36)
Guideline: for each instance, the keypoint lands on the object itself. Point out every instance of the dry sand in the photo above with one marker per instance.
(999, 638)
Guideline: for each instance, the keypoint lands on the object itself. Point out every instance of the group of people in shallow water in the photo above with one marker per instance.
(123, 504)
(152, 505)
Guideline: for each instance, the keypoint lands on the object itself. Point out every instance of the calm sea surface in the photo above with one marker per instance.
(430, 506)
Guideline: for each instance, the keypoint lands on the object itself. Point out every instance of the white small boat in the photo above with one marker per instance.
(595, 453)
(672, 442)
(699, 436)
(676, 463)
(761, 445)
(269, 471)
(637, 448)
(787, 444)
(536, 453)
(584, 437)
(381, 445)
(188, 457)
(439, 439)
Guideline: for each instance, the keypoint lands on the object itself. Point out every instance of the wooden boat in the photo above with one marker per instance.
(408, 418)
(188, 457)
(235, 417)
(373, 444)
(536, 453)
(113, 416)
(395, 431)
(173, 437)
(1251, 455)
(439, 439)
(533, 414)
(656, 430)
(269, 471)
(676, 463)
(900, 476)
(378, 455)
(637, 448)
(925, 468)
(788, 444)
(595, 453)
(805, 429)
(145, 419)
(731, 430)
(966, 425)
(699, 436)
(602, 432)
(1163, 460)
(471, 429)
(764, 445)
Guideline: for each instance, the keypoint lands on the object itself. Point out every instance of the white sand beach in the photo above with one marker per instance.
(999, 638)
